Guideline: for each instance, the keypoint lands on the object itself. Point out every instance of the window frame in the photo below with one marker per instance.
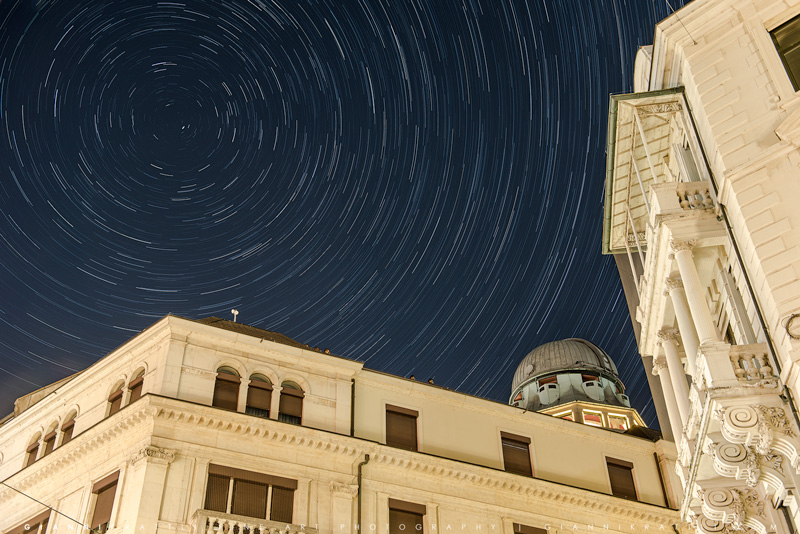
(400, 414)
(32, 451)
(409, 509)
(39, 521)
(286, 412)
(271, 482)
(628, 468)
(226, 378)
(515, 442)
(115, 400)
(101, 489)
(794, 77)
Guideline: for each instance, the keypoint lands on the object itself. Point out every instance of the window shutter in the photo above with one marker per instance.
(32, 524)
(103, 506)
(116, 402)
(136, 389)
(66, 431)
(291, 402)
(226, 392)
(259, 395)
(402, 522)
(49, 443)
(516, 455)
(249, 498)
(217, 493)
(620, 473)
(401, 428)
(282, 504)
(33, 450)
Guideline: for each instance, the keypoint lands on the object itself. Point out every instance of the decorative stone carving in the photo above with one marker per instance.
(667, 334)
(152, 453)
(740, 509)
(659, 364)
(348, 489)
(666, 107)
(671, 284)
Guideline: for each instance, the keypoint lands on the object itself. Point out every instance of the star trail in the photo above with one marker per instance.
(414, 184)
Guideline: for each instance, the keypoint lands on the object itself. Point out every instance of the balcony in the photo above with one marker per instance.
(209, 522)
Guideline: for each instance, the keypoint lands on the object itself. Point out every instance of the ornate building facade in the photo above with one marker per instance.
(210, 426)
(702, 190)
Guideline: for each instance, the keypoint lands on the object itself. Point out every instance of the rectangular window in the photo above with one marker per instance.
(405, 517)
(620, 473)
(115, 399)
(620, 422)
(290, 406)
(525, 529)
(49, 443)
(226, 392)
(241, 492)
(787, 41)
(401, 427)
(516, 454)
(135, 388)
(259, 398)
(33, 450)
(104, 489)
(593, 418)
(34, 525)
(66, 431)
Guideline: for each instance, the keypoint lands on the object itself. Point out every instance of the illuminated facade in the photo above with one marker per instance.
(211, 426)
(702, 189)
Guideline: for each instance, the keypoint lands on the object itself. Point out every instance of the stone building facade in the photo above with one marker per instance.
(212, 426)
(701, 213)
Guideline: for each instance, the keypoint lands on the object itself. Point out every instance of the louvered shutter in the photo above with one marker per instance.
(249, 498)
(136, 389)
(404, 520)
(291, 402)
(33, 450)
(516, 454)
(66, 431)
(401, 428)
(217, 493)
(282, 505)
(49, 443)
(103, 505)
(116, 402)
(259, 396)
(226, 392)
(620, 473)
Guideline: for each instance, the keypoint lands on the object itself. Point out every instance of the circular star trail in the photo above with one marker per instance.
(414, 184)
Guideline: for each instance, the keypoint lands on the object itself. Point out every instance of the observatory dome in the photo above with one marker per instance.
(565, 355)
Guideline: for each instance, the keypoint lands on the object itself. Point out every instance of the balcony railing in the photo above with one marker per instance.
(750, 362)
(209, 522)
(694, 195)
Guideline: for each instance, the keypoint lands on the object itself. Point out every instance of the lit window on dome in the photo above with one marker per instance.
(620, 422)
(593, 418)
(568, 415)
(518, 397)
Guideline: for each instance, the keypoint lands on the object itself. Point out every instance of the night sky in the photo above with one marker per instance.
(414, 184)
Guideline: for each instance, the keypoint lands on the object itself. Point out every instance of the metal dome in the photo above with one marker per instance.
(565, 355)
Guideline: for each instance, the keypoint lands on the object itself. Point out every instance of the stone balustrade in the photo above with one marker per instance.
(694, 195)
(209, 522)
(750, 362)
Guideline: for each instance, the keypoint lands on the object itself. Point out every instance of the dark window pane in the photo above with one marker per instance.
(621, 477)
(49, 443)
(516, 457)
(401, 430)
(226, 393)
(258, 400)
(401, 522)
(217, 493)
(787, 41)
(33, 450)
(249, 498)
(135, 388)
(291, 404)
(116, 402)
(282, 504)
(66, 431)
(102, 507)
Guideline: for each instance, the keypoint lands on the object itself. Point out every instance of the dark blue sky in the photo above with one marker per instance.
(417, 185)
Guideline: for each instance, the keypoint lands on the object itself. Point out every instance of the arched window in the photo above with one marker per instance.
(135, 387)
(32, 450)
(115, 400)
(259, 396)
(50, 440)
(291, 405)
(226, 389)
(66, 428)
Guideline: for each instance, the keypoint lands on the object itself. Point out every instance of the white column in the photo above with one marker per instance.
(660, 370)
(695, 293)
(275, 402)
(242, 401)
(674, 288)
(680, 388)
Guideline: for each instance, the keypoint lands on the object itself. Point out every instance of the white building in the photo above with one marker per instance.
(701, 212)
(197, 426)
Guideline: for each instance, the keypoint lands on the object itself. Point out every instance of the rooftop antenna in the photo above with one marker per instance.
(235, 313)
